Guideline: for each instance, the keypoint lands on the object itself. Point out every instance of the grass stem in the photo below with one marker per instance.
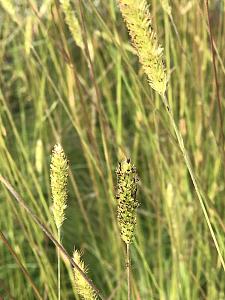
(59, 269)
(128, 271)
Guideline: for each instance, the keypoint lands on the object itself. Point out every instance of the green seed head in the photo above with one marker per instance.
(59, 176)
(126, 196)
(80, 284)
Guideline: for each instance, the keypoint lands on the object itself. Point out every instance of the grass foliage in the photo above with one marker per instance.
(80, 84)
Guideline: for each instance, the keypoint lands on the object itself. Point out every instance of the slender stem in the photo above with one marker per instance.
(193, 177)
(128, 271)
(58, 258)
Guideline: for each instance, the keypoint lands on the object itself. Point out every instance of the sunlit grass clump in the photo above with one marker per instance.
(69, 74)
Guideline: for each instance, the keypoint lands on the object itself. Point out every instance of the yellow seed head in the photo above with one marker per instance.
(59, 176)
(138, 20)
(126, 198)
(81, 285)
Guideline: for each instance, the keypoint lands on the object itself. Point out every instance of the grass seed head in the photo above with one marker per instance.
(72, 22)
(126, 197)
(80, 284)
(138, 20)
(59, 177)
(166, 6)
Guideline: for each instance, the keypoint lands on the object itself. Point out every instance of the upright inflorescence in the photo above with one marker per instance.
(126, 196)
(59, 176)
(80, 284)
(138, 20)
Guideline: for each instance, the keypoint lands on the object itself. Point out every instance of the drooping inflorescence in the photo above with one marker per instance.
(80, 284)
(138, 20)
(127, 202)
(166, 6)
(72, 22)
(59, 176)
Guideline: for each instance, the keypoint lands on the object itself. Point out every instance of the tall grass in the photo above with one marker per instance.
(97, 101)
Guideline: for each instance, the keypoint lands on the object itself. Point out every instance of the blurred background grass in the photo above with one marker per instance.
(90, 94)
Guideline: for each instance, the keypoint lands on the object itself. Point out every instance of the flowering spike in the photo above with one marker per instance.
(126, 197)
(59, 176)
(81, 285)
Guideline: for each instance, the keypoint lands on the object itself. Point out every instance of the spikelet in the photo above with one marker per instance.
(80, 284)
(137, 17)
(72, 22)
(126, 197)
(58, 176)
(166, 6)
